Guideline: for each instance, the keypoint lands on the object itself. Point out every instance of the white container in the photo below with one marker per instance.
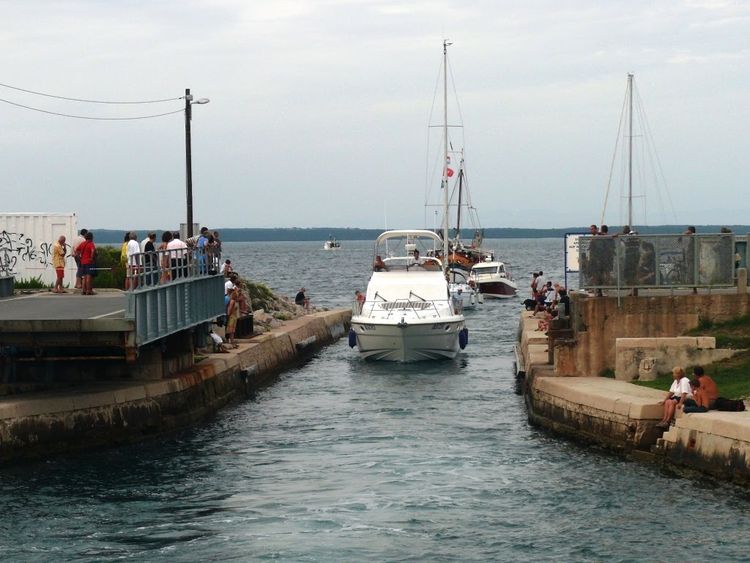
(26, 241)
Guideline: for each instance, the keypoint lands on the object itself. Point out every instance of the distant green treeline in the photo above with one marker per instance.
(110, 236)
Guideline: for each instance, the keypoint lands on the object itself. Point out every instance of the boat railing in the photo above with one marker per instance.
(440, 307)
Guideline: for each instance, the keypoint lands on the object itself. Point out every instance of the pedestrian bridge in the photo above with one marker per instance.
(112, 323)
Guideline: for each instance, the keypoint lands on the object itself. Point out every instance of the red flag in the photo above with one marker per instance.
(448, 172)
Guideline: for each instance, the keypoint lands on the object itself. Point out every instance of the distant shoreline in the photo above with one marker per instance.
(112, 236)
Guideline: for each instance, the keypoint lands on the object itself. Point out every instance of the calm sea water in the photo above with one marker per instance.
(342, 460)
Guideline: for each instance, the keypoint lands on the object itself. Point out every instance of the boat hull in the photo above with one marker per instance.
(407, 342)
(498, 289)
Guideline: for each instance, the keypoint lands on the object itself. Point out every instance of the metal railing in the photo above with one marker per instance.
(172, 290)
(657, 261)
(165, 266)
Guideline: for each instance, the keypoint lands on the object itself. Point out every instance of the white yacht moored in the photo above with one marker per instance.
(408, 314)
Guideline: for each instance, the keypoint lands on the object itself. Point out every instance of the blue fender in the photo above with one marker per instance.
(463, 337)
(352, 338)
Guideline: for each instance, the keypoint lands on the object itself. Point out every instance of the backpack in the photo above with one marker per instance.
(723, 404)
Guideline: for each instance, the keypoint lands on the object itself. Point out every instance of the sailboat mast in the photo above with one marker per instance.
(445, 154)
(458, 207)
(630, 151)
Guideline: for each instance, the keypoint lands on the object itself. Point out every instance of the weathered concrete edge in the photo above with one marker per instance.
(715, 444)
(590, 416)
(32, 428)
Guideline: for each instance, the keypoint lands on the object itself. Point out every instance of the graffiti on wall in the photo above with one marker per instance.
(16, 248)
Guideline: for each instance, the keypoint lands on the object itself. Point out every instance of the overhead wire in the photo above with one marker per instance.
(88, 116)
(83, 100)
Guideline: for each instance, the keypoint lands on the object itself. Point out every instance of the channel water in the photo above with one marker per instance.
(346, 460)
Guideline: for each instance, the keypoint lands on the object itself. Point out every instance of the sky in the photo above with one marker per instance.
(320, 110)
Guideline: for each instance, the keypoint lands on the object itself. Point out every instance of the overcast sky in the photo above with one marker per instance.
(319, 110)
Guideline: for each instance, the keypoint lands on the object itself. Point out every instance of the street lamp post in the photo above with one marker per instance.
(189, 157)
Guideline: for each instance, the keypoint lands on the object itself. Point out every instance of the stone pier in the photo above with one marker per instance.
(41, 424)
(564, 392)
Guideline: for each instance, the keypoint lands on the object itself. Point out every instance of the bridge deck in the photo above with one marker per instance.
(69, 306)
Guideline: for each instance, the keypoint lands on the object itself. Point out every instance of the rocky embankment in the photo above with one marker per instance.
(270, 309)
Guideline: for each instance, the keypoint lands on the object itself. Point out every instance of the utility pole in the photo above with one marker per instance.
(188, 163)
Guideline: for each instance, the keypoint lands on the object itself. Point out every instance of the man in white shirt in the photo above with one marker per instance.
(541, 280)
(177, 256)
(226, 268)
(229, 285)
(143, 244)
(551, 297)
(133, 251)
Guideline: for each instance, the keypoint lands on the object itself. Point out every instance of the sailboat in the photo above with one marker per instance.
(626, 259)
(646, 169)
(408, 313)
(461, 257)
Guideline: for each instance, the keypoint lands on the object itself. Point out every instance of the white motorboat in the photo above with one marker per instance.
(408, 314)
(493, 280)
(463, 290)
(331, 244)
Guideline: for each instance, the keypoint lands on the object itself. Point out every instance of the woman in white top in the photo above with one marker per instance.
(678, 392)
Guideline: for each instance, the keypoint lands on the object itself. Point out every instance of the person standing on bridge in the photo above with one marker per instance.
(58, 261)
(77, 241)
(133, 254)
(87, 249)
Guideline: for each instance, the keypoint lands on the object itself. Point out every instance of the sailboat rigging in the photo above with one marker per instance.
(644, 171)
(459, 258)
(408, 313)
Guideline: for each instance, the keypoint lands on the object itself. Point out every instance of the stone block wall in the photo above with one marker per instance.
(644, 358)
(600, 321)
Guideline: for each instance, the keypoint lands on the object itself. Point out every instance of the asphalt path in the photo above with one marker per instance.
(64, 306)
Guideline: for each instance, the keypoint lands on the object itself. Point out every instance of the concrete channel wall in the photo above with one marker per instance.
(599, 321)
(39, 425)
(619, 415)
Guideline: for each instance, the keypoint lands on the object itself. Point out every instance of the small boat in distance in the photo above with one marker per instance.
(493, 280)
(331, 243)
(408, 314)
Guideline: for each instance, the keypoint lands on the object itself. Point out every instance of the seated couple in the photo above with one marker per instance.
(698, 395)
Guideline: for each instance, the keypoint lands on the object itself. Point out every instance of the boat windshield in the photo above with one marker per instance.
(485, 270)
(407, 263)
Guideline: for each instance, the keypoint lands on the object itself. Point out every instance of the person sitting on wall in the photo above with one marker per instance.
(679, 392)
(705, 392)
(543, 324)
(219, 345)
(226, 268)
(695, 404)
(301, 299)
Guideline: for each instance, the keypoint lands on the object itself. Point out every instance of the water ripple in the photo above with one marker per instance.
(342, 460)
